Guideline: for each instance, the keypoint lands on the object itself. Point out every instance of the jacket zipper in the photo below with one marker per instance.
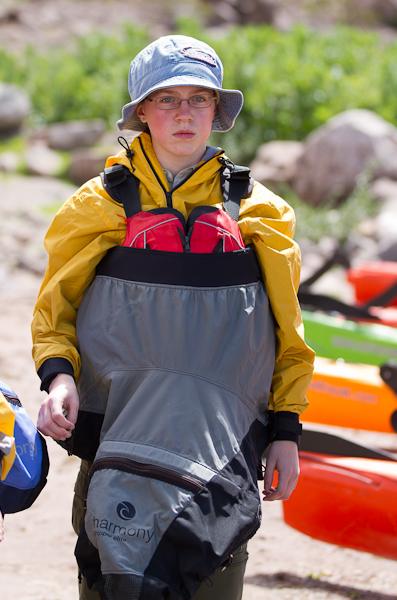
(191, 484)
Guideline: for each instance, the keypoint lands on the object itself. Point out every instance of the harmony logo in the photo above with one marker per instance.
(126, 511)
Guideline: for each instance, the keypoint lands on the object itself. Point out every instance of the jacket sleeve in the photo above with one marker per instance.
(86, 226)
(268, 223)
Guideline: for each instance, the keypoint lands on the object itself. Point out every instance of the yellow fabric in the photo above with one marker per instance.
(7, 420)
(90, 223)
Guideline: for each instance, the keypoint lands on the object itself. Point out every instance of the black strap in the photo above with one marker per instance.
(328, 443)
(339, 257)
(383, 298)
(122, 186)
(329, 304)
(235, 183)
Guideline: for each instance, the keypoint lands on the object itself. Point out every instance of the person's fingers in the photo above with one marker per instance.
(282, 459)
(71, 410)
(61, 418)
(51, 422)
(268, 478)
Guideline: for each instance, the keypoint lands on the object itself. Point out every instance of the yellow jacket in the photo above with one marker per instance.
(90, 223)
(7, 420)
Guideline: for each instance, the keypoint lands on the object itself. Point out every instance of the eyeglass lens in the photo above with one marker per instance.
(172, 102)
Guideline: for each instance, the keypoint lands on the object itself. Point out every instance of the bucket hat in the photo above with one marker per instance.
(177, 60)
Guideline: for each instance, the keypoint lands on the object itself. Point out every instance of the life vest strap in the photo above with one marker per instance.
(122, 186)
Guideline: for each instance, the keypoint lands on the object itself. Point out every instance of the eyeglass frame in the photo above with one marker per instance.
(180, 100)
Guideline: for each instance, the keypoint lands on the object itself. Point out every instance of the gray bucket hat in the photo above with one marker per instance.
(178, 60)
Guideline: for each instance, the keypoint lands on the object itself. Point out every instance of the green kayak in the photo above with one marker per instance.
(337, 337)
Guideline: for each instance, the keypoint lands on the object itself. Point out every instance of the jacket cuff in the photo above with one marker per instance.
(287, 426)
(51, 368)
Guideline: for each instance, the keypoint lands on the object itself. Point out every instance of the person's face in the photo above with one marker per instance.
(178, 135)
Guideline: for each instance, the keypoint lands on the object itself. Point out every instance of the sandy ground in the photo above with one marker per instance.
(36, 556)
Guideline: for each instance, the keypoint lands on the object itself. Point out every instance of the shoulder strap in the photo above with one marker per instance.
(236, 184)
(122, 186)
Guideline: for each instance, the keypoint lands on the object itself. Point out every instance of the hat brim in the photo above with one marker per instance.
(228, 108)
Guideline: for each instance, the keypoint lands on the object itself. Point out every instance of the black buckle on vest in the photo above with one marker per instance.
(115, 175)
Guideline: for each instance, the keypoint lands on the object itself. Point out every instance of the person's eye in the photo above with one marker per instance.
(163, 100)
(201, 99)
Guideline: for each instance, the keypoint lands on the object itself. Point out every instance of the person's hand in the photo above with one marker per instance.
(283, 458)
(58, 412)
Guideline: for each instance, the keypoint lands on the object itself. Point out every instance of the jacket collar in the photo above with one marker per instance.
(146, 166)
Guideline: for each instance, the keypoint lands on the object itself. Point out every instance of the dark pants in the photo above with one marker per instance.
(223, 585)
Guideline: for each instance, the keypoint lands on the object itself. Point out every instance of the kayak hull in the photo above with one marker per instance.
(346, 501)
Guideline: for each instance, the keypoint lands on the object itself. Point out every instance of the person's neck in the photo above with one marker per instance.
(176, 164)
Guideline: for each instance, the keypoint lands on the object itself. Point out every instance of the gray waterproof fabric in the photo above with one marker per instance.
(181, 375)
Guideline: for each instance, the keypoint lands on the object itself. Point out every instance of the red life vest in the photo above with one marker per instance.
(207, 230)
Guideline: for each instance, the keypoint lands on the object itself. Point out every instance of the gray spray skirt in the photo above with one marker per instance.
(179, 376)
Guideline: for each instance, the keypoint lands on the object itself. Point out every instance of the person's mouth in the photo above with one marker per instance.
(184, 134)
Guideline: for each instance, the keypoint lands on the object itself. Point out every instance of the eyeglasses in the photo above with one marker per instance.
(172, 102)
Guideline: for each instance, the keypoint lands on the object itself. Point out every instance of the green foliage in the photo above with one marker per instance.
(292, 81)
(87, 82)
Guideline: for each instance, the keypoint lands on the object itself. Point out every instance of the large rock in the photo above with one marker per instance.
(71, 135)
(242, 12)
(275, 162)
(86, 164)
(9, 161)
(14, 109)
(385, 9)
(336, 153)
(42, 161)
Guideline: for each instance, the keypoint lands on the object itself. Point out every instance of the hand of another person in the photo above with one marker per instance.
(58, 412)
(283, 458)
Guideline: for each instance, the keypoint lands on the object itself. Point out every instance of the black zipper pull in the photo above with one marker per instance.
(188, 238)
(129, 153)
(168, 196)
(124, 144)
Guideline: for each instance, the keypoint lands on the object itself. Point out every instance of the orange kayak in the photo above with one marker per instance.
(350, 395)
(350, 502)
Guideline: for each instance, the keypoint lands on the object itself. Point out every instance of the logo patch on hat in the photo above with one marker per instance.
(199, 54)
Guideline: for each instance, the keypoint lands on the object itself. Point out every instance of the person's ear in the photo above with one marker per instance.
(140, 111)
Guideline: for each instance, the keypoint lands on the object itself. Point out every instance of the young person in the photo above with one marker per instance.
(148, 330)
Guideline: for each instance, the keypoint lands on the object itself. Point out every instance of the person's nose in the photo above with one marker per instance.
(184, 111)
